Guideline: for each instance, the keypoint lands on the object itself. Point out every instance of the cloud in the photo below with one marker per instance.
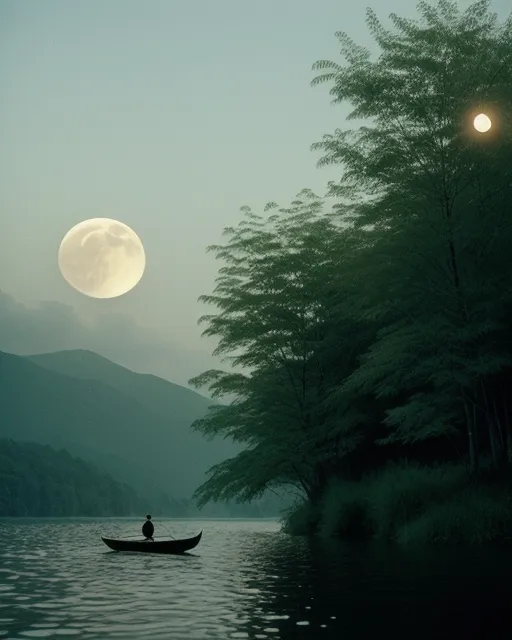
(53, 326)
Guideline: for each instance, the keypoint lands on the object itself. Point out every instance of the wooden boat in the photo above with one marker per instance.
(156, 546)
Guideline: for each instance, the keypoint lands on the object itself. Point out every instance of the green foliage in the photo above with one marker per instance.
(474, 516)
(276, 297)
(383, 324)
(410, 505)
(436, 208)
(301, 519)
(36, 480)
(345, 511)
(401, 494)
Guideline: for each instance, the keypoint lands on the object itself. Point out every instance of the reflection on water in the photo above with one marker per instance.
(244, 580)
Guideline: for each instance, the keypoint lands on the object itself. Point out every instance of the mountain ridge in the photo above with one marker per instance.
(146, 387)
(94, 357)
(81, 400)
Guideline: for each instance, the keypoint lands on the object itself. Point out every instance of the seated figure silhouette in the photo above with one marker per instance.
(148, 529)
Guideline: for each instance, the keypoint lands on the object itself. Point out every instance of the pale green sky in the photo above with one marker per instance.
(168, 115)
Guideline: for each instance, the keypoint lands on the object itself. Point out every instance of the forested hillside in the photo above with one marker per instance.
(36, 480)
(132, 425)
(170, 408)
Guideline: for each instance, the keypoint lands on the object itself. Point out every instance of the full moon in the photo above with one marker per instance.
(482, 123)
(102, 258)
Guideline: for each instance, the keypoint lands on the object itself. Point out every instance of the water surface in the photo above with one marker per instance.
(244, 580)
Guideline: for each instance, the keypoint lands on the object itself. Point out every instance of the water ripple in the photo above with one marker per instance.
(245, 580)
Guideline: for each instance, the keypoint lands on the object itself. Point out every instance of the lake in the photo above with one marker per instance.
(244, 580)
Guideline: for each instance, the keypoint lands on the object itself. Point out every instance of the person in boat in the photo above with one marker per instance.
(148, 529)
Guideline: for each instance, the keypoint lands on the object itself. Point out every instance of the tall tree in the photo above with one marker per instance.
(276, 294)
(434, 194)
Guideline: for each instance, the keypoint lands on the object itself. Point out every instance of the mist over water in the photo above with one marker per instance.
(244, 580)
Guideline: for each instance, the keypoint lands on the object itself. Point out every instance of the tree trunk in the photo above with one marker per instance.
(502, 432)
(472, 441)
(496, 440)
(506, 428)
(493, 442)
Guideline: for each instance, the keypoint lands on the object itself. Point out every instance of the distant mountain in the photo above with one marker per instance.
(36, 480)
(172, 400)
(135, 426)
(52, 326)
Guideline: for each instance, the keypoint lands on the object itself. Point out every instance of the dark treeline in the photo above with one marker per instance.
(376, 331)
(36, 480)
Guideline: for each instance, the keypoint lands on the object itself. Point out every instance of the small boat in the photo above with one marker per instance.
(153, 546)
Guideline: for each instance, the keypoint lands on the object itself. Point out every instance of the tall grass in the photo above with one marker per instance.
(301, 519)
(344, 511)
(408, 504)
(404, 492)
(473, 516)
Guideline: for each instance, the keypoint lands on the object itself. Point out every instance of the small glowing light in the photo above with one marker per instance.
(482, 123)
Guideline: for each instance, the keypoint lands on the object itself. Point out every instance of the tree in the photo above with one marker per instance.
(385, 321)
(276, 294)
(432, 196)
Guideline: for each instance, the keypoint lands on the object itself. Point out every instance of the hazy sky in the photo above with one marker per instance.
(168, 116)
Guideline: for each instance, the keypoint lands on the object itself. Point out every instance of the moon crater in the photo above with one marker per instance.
(102, 258)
